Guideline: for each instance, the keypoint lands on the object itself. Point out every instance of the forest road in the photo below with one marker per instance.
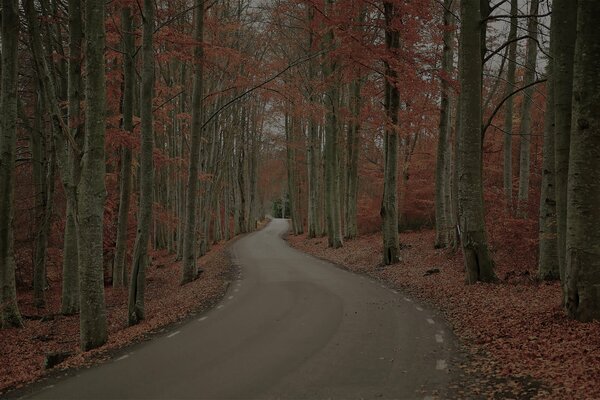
(291, 327)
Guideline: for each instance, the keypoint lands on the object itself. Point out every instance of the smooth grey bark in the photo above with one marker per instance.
(313, 148)
(332, 198)
(508, 114)
(41, 240)
(479, 265)
(91, 192)
(564, 30)
(352, 150)
(291, 143)
(190, 269)
(9, 310)
(582, 273)
(71, 172)
(119, 269)
(525, 128)
(548, 259)
(441, 176)
(389, 204)
(137, 284)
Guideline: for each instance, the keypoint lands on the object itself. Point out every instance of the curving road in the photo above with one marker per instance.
(291, 327)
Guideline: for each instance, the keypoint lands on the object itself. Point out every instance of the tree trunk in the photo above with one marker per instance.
(332, 200)
(190, 270)
(564, 30)
(352, 149)
(41, 241)
(582, 273)
(389, 205)
(137, 284)
(508, 114)
(525, 129)
(548, 260)
(91, 191)
(119, 270)
(479, 265)
(441, 205)
(9, 311)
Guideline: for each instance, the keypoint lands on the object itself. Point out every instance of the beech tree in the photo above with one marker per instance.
(10, 316)
(582, 268)
(479, 265)
(91, 191)
(137, 283)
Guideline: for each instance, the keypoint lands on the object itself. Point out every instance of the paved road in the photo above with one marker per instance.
(291, 327)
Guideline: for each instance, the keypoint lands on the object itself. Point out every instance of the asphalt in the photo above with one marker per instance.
(290, 327)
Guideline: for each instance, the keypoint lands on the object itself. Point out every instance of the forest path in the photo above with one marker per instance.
(291, 326)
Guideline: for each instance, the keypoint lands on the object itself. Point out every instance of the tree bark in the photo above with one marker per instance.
(441, 203)
(479, 265)
(564, 30)
(389, 205)
(352, 150)
(508, 114)
(548, 260)
(525, 129)
(92, 192)
(190, 269)
(137, 285)
(582, 273)
(119, 269)
(9, 310)
(332, 198)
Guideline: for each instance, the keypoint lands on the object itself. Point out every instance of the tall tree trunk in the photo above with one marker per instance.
(9, 311)
(548, 260)
(352, 149)
(564, 30)
(189, 236)
(479, 265)
(92, 192)
(291, 144)
(508, 114)
(389, 205)
(119, 270)
(332, 198)
(41, 241)
(71, 172)
(582, 273)
(137, 285)
(441, 205)
(525, 129)
(314, 228)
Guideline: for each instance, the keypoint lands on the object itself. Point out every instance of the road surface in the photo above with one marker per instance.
(291, 327)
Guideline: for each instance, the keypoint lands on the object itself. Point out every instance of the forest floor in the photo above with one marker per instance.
(519, 342)
(23, 351)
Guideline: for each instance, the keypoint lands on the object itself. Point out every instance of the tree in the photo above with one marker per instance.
(442, 203)
(137, 285)
(582, 272)
(9, 311)
(332, 190)
(91, 191)
(479, 265)
(508, 114)
(389, 204)
(564, 24)
(548, 260)
(189, 239)
(525, 128)
(119, 270)
(72, 159)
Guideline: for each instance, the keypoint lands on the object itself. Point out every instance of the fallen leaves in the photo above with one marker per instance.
(521, 343)
(23, 351)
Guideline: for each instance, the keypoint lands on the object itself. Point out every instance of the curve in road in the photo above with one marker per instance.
(291, 327)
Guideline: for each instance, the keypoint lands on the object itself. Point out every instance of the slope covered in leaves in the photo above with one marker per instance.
(521, 343)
